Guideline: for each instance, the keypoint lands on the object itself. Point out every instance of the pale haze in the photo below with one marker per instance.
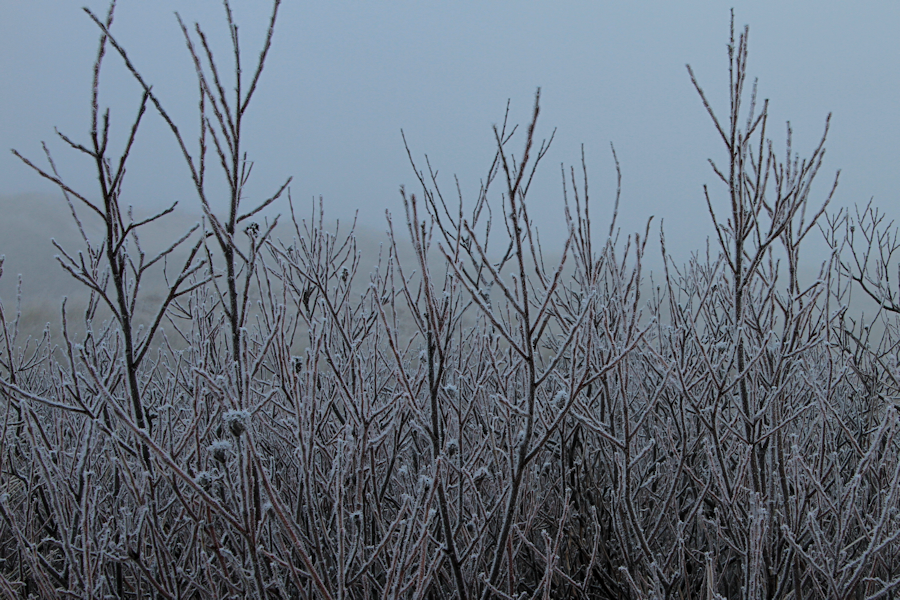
(343, 79)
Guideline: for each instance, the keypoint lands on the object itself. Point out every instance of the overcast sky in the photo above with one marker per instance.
(343, 78)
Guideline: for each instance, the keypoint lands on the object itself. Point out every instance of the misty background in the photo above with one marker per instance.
(343, 78)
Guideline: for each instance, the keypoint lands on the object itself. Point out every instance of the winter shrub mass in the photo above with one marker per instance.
(471, 419)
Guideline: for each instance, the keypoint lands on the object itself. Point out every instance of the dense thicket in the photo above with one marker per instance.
(466, 422)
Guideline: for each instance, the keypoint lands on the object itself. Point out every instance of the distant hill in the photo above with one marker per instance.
(28, 223)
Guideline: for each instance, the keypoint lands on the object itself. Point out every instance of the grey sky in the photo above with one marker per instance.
(345, 77)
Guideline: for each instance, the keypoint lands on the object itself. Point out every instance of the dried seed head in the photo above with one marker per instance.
(204, 480)
(480, 474)
(560, 398)
(237, 421)
(220, 450)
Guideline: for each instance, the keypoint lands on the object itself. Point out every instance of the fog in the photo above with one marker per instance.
(343, 79)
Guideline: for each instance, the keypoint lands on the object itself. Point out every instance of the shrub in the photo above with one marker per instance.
(471, 421)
